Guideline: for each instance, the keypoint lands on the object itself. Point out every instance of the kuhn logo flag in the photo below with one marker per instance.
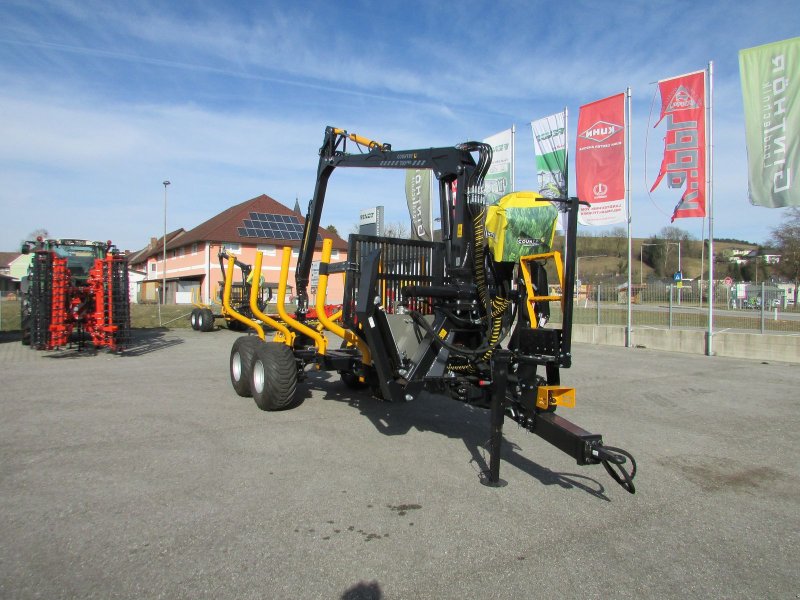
(600, 161)
(684, 163)
(600, 131)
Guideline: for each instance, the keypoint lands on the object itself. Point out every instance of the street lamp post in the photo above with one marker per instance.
(641, 262)
(680, 287)
(578, 262)
(164, 266)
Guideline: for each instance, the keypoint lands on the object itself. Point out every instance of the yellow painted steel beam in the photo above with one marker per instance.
(228, 310)
(526, 276)
(319, 340)
(328, 322)
(284, 335)
(554, 395)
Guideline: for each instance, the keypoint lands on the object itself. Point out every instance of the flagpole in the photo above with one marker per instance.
(566, 189)
(513, 160)
(430, 210)
(566, 153)
(628, 342)
(710, 196)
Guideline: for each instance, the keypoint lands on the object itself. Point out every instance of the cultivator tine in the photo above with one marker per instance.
(110, 322)
(120, 303)
(40, 299)
(59, 325)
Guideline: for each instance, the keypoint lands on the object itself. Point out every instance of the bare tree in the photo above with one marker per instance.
(786, 239)
(618, 236)
(391, 230)
(397, 230)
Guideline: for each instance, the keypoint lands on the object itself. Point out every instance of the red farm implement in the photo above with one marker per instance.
(75, 287)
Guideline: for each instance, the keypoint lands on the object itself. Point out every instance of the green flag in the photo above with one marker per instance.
(771, 93)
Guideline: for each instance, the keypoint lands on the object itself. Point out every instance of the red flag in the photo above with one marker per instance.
(600, 161)
(683, 102)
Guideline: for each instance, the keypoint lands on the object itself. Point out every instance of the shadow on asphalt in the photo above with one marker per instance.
(143, 341)
(448, 417)
(7, 337)
(146, 341)
(364, 590)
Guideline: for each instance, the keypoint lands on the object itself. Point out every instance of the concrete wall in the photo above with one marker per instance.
(756, 346)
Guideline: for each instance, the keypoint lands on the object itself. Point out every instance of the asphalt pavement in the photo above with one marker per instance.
(145, 476)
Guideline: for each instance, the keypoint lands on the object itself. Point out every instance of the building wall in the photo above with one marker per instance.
(202, 265)
(18, 268)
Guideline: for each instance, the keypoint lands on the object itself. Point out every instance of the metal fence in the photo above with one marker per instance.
(757, 308)
(761, 308)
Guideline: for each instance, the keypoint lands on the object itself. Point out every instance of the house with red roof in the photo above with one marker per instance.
(192, 266)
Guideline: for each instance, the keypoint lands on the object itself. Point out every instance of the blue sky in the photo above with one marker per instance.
(102, 101)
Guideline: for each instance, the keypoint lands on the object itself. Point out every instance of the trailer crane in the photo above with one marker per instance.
(478, 316)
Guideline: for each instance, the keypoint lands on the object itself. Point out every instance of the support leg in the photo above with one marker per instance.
(500, 362)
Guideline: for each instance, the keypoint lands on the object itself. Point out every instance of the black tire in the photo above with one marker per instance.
(25, 325)
(235, 325)
(349, 378)
(273, 377)
(193, 319)
(241, 363)
(206, 320)
(352, 381)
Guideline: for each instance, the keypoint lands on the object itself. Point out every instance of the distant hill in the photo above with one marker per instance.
(605, 258)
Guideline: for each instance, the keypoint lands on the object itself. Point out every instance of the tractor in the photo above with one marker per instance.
(75, 288)
(467, 316)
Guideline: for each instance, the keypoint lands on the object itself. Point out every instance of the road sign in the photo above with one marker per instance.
(678, 276)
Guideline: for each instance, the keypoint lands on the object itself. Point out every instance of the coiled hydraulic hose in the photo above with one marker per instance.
(608, 456)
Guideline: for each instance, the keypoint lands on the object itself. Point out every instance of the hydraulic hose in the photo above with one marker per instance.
(608, 456)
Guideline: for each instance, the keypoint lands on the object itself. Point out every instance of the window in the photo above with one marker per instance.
(153, 266)
(194, 248)
(334, 255)
(295, 252)
(267, 249)
(180, 251)
(232, 247)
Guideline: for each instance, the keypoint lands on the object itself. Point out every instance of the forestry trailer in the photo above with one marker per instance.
(75, 286)
(466, 316)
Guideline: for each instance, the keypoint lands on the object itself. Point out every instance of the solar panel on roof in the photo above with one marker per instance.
(264, 225)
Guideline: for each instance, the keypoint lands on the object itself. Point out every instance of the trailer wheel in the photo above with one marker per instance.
(273, 377)
(352, 381)
(206, 320)
(25, 326)
(241, 364)
(235, 325)
(193, 319)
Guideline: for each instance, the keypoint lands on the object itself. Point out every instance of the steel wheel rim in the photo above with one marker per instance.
(258, 377)
(236, 366)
